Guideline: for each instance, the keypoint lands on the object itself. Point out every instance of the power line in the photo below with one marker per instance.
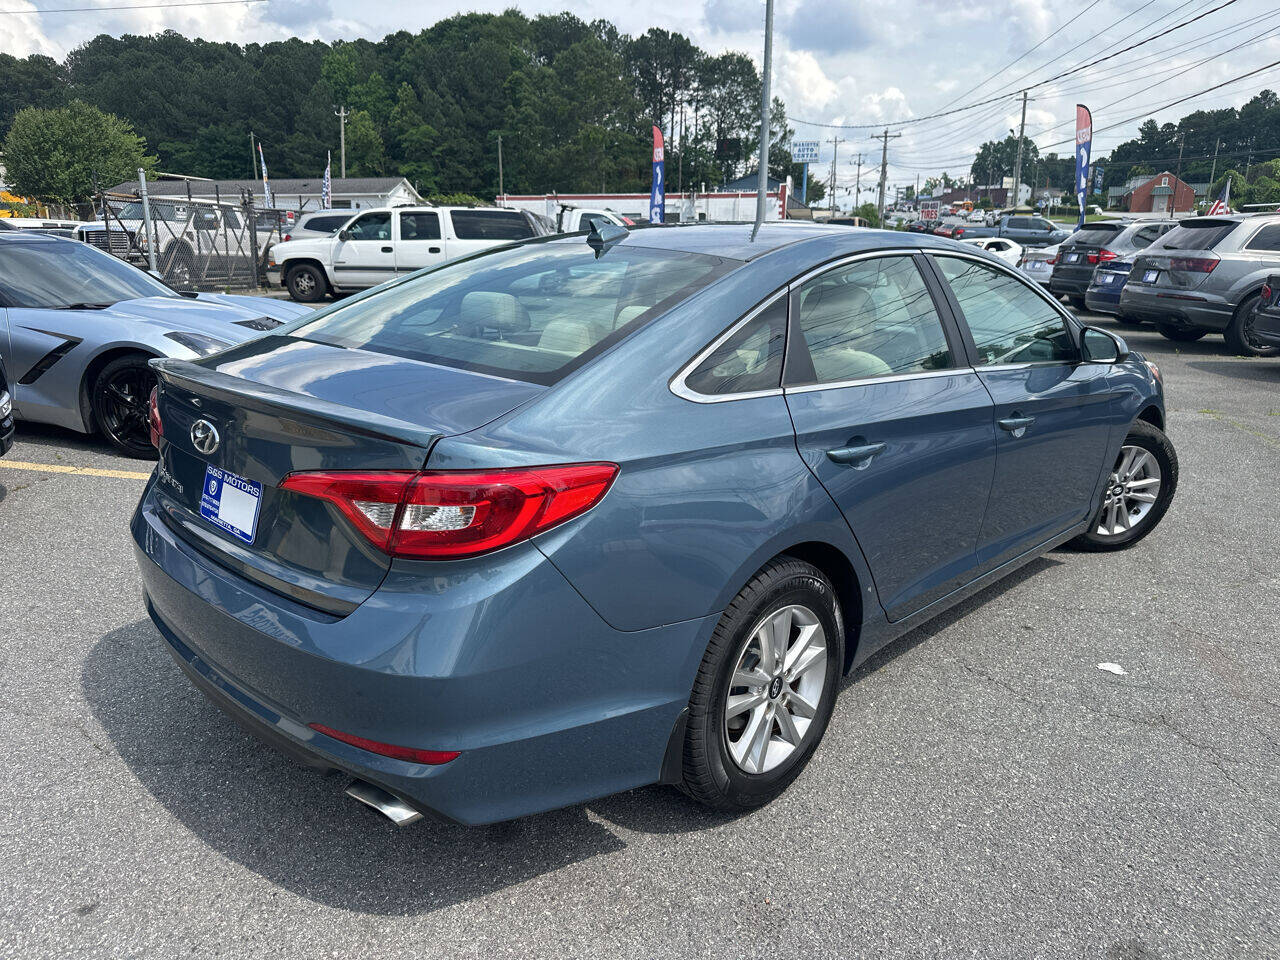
(132, 6)
(1039, 83)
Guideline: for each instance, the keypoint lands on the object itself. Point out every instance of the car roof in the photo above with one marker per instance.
(733, 240)
(31, 236)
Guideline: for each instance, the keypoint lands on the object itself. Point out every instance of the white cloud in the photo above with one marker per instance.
(21, 33)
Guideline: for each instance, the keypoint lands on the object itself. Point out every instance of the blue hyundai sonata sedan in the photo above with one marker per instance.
(584, 514)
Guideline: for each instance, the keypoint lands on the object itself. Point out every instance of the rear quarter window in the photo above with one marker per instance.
(1268, 238)
(490, 225)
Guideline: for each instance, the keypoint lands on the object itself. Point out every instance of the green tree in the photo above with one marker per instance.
(54, 155)
(365, 151)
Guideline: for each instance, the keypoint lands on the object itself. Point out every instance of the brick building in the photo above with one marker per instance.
(1163, 193)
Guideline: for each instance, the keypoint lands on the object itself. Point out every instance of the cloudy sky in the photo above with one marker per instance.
(836, 61)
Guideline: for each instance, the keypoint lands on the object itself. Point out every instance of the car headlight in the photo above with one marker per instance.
(198, 343)
(6, 405)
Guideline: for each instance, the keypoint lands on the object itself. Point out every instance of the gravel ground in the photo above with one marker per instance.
(985, 790)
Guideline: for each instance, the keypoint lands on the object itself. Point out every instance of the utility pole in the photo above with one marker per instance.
(1214, 169)
(835, 150)
(1017, 166)
(501, 192)
(762, 187)
(341, 113)
(1177, 175)
(1248, 161)
(253, 159)
(857, 185)
(884, 165)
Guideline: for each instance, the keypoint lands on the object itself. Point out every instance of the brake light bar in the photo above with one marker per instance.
(1103, 256)
(1193, 264)
(412, 754)
(445, 514)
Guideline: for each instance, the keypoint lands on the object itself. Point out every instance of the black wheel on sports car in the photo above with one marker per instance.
(119, 399)
(1180, 334)
(1139, 490)
(306, 283)
(1239, 333)
(766, 688)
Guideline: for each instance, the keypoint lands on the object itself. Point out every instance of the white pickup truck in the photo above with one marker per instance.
(380, 244)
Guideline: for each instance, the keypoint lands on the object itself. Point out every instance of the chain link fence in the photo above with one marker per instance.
(193, 243)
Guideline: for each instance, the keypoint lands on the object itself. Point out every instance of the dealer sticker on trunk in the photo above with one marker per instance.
(231, 502)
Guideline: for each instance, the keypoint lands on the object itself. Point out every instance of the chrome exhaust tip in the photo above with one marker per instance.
(393, 808)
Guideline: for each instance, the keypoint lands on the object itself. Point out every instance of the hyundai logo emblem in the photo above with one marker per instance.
(204, 436)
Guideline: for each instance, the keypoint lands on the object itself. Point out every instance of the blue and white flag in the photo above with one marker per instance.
(658, 192)
(1097, 178)
(1084, 142)
(266, 183)
(326, 188)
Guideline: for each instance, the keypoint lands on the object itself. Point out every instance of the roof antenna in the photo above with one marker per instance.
(604, 234)
(763, 189)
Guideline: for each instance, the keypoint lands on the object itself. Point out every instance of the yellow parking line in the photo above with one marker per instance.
(81, 471)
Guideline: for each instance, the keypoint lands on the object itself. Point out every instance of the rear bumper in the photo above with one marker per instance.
(505, 663)
(1069, 286)
(273, 276)
(1192, 310)
(1101, 299)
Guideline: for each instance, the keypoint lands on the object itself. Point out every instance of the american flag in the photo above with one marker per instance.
(326, 188)
(1222, 205)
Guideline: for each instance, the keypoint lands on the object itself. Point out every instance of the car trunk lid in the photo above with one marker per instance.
(235, 425)
(1183, 258)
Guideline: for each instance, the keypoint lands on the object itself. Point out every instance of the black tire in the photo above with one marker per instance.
(1180, 334)
(1239, 332)
(306, 283)
(1152, 440)
(119, 398)
(710, 774)
(1078, 303)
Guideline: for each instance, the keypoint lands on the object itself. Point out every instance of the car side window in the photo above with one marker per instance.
(1268, 238)
(1044, 225)
(371, 226)
(748, 361)
(419, 226)
(871, 318)
(1009, 322)
(1146, 236)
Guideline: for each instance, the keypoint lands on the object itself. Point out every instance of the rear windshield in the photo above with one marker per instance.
(491, 225)
(1095, 235)
(1194, 236)
(530, 313)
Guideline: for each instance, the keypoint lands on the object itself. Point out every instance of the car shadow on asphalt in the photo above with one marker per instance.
(291, 824)
(1260, 370)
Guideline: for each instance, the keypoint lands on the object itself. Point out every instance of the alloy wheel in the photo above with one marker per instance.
(1132, 491)
(776, 689)
(304, 283)
(123, 411)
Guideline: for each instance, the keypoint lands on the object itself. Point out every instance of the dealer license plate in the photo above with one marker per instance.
(231, 502)
(1149, 276)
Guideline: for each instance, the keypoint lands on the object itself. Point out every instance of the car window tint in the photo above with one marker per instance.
(749, 360)
(1042, 225)
(1096, 235)
(1268, 238)
(1009, 322)
(371, 226)
(490, 225)
(326, 223)
(871, 318)
(1202, 235)
(1146, 236)
(419, 226)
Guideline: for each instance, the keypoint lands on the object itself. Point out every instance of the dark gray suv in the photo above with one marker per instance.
(1204, 276)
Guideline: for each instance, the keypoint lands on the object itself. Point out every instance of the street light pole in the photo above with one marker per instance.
(1017, 166)
(762, 189)
(342, 114)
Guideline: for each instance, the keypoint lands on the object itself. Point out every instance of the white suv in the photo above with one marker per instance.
(380, 244)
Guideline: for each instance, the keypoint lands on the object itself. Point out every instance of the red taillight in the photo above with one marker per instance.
(446, 514)
(958, 232)
(155, 427)
(1266, 293)
(1102, 256)
(1051, 261)
(412, 754)
(286, 238)
(1193, 264)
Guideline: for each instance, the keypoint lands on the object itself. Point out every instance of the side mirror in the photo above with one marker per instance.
(344, 234)
(1102, 346)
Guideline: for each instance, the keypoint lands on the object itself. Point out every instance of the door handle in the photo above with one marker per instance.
(860, 456)
(1016, 425)
(433, 249)
(387, 249)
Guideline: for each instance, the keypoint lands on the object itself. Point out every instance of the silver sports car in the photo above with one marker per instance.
(78, 326)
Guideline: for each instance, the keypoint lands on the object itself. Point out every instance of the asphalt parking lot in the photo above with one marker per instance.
(985, 789)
